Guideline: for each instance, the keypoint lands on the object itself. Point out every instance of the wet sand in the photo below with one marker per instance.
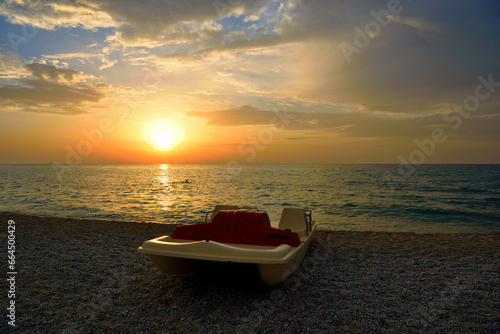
(85, 276)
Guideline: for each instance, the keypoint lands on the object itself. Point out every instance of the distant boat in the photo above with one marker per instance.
(240, 236)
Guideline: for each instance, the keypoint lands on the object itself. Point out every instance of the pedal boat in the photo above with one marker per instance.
(237, 236)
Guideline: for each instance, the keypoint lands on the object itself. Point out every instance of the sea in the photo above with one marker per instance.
(421, 199)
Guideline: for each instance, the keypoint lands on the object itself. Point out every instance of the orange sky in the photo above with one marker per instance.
(106, 81)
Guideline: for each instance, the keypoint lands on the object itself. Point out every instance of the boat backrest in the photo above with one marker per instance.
(219, 207)
(294, 219)
(238, 227)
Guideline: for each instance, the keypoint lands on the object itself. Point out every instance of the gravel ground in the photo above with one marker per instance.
(85, 276)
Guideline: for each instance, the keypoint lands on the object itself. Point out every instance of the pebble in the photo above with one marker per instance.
(354, 282)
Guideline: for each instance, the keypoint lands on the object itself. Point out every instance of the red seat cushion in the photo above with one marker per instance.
(238, 227)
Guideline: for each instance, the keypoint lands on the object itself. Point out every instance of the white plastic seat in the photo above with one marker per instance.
(294, 219)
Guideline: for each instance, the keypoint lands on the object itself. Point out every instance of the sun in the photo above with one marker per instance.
(164, 140)
(163, 135)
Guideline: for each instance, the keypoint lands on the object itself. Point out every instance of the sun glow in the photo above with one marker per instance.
(163, 136)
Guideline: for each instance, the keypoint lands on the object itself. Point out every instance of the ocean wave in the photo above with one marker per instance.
(338, 195)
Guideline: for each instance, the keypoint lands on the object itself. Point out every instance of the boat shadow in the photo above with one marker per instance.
(226, 276)
(219, 285)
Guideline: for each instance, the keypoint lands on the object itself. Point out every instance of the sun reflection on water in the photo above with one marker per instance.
(164, 184)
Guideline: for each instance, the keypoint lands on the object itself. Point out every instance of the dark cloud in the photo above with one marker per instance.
(350, 124)
(425, 56)
(246, 115)
(50, 72)
(41, 91)
(50, 89)
(430, 54)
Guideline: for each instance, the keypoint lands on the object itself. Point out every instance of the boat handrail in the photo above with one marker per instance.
(308, 216)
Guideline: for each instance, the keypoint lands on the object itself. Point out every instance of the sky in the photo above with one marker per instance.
(237, 82)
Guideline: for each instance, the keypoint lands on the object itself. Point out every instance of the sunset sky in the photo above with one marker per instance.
(160, 81)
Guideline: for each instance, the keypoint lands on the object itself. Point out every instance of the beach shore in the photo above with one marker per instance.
(86, 276)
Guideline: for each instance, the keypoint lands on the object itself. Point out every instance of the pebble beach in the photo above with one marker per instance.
(86, 276)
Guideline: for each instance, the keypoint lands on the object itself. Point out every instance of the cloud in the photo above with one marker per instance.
(11, 66)
(46, 72)
(417, 23)
(246, 115)
(97, 55)
(52, 14)
(106, 63)
(72, 55)
(169, 21)
(149, 23)
(349, 124)
(427, 56)
(43, 88)
(412, 65)
(288, 120)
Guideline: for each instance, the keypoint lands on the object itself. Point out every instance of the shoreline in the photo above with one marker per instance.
(321, 228)
(84, 275)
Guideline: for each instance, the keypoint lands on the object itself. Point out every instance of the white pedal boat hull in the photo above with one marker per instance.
(274, 263)
(177, 257)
